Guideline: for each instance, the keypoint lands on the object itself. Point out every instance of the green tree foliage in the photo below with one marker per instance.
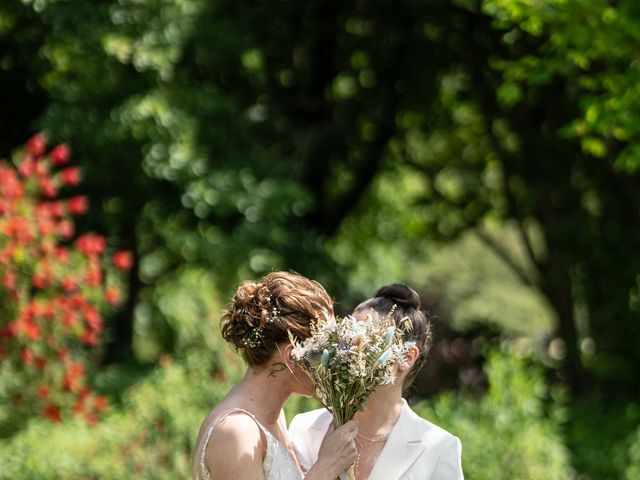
(569, 162)
(218, 138)
(633, 472)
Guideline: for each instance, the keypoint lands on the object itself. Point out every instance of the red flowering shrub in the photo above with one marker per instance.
(52, 289)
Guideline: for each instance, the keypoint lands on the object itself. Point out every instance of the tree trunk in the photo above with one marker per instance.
(557, 288)
(119, 345)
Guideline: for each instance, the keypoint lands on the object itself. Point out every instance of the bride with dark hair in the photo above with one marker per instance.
(392, 442)
(245, 436)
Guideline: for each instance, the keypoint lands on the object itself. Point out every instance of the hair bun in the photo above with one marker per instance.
(401, 295)
(263, 314)
(244, 313)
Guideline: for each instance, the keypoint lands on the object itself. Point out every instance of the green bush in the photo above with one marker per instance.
(599, 435)
(512, 432)
(150, 435)
(506, 434)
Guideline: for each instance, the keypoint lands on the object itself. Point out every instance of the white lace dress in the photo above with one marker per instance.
(277, 464)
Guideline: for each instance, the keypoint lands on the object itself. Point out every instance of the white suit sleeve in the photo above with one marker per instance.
(299, 440)
(449, 465)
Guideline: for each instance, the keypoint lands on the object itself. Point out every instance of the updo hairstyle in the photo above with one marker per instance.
(407, 304)
(262, 313)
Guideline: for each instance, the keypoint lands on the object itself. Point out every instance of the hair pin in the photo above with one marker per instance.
(254, 339)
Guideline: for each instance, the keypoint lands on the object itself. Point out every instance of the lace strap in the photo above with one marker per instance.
(203, 468)
(204, 472)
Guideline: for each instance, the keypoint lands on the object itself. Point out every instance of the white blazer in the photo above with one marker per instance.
(415, 450)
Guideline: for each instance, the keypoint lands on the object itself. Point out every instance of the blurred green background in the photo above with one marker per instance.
(487, 153)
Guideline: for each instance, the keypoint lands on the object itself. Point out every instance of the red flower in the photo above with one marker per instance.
(65, 228)
(68, 383)
(78, 205)
(52, 413)
(39, 280)
(91, 244)
(70, 176)
(9, 331)
(62, 254)
(20, 229)
(77, 301)
(60, 154)
(94, 276)
(123, 260)
(66, 306)
(54, 209)
(32, 331)
(46, 226)
(48, 187)
(5, 206)
(101, 403)
(93, 318)
(9, 280)
(48, 246)
(27, 356)
(69, 318)
(37, 144)
(41, 168)
(75, 370)
(10, 185)
(43, 276)
(27, 166)
(47, 310)
(41, 362)
(69, 284)
(43, 392)
(78, 406)
(113, 295)
(84, 393)
(89, 338)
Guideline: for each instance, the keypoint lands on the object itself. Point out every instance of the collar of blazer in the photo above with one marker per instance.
(403, 447)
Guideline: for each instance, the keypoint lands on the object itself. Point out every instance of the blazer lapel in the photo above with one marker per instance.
(402, 449)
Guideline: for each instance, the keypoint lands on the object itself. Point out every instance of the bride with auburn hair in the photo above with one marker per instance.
(245, 436)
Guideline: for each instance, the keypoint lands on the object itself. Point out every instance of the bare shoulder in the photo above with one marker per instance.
(236, 448)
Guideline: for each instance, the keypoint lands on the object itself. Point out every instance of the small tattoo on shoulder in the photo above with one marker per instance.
(276, 368)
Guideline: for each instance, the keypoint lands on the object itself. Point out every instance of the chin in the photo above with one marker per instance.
(305, 390)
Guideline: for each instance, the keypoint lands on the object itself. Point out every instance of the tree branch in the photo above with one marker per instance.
(504, 256)
(510, 197)
(486, 239)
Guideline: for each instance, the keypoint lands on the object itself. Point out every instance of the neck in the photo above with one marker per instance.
(252, 389)
(382, 410)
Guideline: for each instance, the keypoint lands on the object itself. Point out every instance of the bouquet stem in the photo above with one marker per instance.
(340, 418)
(350, 473)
